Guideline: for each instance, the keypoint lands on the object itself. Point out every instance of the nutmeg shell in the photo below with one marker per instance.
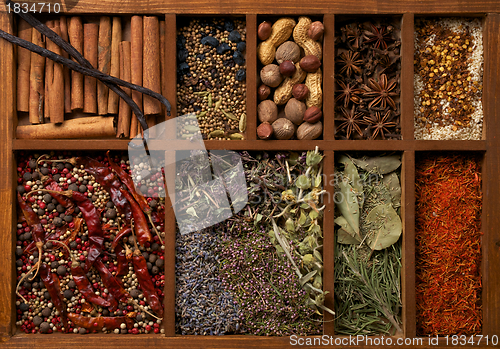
(270, 75)
(283, 129)
(310, 131)
(267, 111)
(288, 51)
(294, 111)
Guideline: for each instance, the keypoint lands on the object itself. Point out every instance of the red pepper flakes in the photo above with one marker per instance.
(448, 245)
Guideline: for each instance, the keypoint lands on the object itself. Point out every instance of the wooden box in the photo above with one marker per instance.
(329, 11)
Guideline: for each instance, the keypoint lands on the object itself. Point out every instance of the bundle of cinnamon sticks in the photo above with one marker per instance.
(47, 90)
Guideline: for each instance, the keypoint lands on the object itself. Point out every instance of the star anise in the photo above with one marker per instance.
(351, 35)
(379, 36)
(381, 92)
(349, 62)
(348, 93)
(350, 122)
(379, 125)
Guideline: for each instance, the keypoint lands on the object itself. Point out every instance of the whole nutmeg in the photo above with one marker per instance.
(288, 51)
(283, 129)
(287, 68)
(300, 91)
(312, 115)
(316, 30)
(263, 92)
(265, 130)
(267, 111)
(310, 63)
(270, 75)
(309, 131)
(294, 111)
(264, 30)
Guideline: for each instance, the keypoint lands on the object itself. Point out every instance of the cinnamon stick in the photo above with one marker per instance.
(116, 38)
(90, 35)
(63, 25)
(37, 92)
(124, 113)
(136, 43)
(88, 127)
(104, 63)
(49, 76)
(23, 68)
(151, 64)
(55, 81)
(75, 33)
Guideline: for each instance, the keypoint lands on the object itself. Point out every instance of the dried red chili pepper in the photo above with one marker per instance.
(120, 235)
(129, 183)
(51, 282)
(111, 283)
(81, 281)
(122, 262)
(144, 279)
(84, 286)
(55, 236)
(98, 323)
(107, 179)
(143, 233)
(93, 220)
(34, 222)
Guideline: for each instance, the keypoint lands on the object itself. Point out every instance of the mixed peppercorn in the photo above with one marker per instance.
(87, 259)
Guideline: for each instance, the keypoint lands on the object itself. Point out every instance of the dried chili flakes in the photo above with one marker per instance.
(448, 245)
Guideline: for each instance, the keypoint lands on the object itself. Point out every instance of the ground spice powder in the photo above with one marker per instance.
(448, 245)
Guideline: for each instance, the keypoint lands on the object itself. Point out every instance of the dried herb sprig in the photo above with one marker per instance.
(367, 266)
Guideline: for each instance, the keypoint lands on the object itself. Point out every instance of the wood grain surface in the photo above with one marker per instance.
(329, 11)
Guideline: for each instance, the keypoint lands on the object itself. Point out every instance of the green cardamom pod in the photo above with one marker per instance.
(203, 113)
(230, 116)
(216, 133)
(236, 136)
(218, 104)
(201, 93)
(210, 100)
(243, 122)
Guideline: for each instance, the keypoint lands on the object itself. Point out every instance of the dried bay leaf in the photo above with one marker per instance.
(343, 237)
(344, 225)
(379, 164)
(391, 181)
(351, 172)
(386, 227)
(349, 207)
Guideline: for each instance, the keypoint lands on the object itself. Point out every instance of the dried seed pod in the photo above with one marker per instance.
(243, 122)
(265, 131)
(316, 30)
(309, 131)
(288, 51)
(312, 115)
(310, 63)
(283, 129)
(267, 111)
(287, 68)
(270, 75)
(294, 111)
(264, 30)
(263, 92)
